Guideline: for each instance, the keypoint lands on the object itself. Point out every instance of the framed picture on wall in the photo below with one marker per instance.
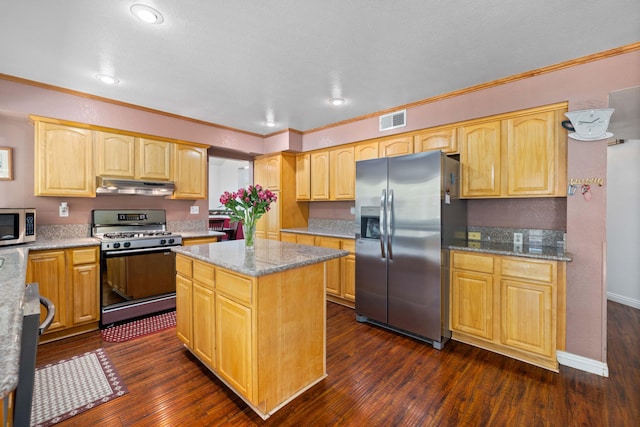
(6, 168)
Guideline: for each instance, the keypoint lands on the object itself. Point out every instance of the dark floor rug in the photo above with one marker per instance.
(71, 386)
(139, 328)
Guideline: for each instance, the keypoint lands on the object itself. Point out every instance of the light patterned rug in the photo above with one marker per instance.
(71, 386)
(139, 328)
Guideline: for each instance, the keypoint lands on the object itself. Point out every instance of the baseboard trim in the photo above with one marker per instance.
(583, 363)
(623, 300)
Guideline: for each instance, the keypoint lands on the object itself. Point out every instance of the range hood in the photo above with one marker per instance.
(119, 186)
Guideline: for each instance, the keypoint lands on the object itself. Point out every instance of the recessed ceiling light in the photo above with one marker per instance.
(107, 79)
(147, 14)
(270, 124)
(337, 101)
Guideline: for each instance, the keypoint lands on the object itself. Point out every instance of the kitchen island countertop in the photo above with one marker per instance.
(268, 256)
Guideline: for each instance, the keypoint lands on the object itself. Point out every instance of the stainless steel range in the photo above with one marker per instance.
(137, 267)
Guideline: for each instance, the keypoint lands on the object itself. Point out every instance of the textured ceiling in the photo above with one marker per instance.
(240, 63)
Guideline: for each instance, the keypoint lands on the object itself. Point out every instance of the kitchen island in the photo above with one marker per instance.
(256, 319)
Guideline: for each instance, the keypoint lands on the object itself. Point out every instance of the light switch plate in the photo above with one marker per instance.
(517, 238)
(195, 210)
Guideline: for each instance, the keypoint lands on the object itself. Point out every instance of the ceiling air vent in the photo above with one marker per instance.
(393, 120)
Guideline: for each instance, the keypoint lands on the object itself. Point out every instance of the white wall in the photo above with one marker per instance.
(226, 175)
(623, 223)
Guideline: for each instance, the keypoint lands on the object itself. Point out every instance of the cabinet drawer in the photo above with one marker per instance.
(475, 262)
(184, 265)
(84, 256)
(542, 271)
(305, 239)
(349, 245)
(328, 242)
(204, 273)
(234, 286)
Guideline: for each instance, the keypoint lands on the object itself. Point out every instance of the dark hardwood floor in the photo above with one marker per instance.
(376, 378)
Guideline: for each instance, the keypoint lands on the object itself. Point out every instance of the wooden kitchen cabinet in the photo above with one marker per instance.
(320, 175)
(153, 159)
(440, 138)
(63, 160)
(115, 155)
(333, 277)
(510, 305)
(303, 176)
(342, 173)
(396, 145)
(189, 172)
(70, 279)
(279, 172)
(203, 312)
(184, 300)
(519, 154)
(367, 150)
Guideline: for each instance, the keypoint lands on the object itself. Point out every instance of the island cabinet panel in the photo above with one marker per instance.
(70, 279)
(511, 305)
(268, 332)
(63, 161)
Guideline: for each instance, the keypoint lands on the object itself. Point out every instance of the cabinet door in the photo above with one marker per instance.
(443, 139)
(273, 220)
(288, 237)
(233, 344)
(366, 151)
(273, 173)
(480, 160)
(115, 155)
(184, 312)
(85, 299)
(528, 321)
(396, 146)
(320, 176)
(531, 155)
(203, 324)
(190, 172)
(303, 177)
(63, 161)
(154, 159)
(342, 179)
(472, 303)
(348, 270)
(48, 270)
(332, 272)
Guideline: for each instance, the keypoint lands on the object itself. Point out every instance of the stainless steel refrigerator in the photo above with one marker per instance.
(408, 211)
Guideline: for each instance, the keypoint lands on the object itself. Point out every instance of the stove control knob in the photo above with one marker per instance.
(172, 241)
(127, 244)
(116, 245)
(163, 241)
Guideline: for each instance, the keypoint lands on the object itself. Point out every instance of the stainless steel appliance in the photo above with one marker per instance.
(31, 331)
(407, 211)
(17, 226)
(137, 267)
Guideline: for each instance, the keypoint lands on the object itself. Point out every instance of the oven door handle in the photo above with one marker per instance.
(138, 251)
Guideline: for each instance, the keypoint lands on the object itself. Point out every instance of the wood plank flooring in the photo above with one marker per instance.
(376, 378)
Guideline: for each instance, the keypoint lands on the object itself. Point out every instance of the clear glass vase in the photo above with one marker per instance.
(249, 231)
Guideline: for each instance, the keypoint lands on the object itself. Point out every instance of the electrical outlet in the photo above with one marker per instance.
(517, 238)
(195, 210)
(474, 235)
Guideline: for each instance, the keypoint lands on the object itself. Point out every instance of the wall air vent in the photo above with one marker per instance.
(393, 120)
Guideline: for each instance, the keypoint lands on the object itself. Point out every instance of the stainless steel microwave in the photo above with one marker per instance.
(17, 226)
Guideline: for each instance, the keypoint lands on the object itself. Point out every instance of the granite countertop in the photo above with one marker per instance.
(320, 231)
(269, 256)
(553, 253)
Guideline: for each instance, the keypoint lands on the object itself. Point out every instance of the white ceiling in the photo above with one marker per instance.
(239, 63)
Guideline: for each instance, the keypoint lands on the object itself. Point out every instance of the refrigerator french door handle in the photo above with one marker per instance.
(381, 221)
(389, 223)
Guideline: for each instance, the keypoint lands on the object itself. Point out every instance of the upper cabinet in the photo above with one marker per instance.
(342, 174)
(440, 138)
(396, 146)
(63, 161)
(69, 156)
(320, 175)
(303, 176)
(522, 154)
(366, 150)
(189, 172)
(154, 159)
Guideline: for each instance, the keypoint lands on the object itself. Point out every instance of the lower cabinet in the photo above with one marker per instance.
(188, 241)
(264, 337)
(70, 278)
(340, 274)
(510, 305)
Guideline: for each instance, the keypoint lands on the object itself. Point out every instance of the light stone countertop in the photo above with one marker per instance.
(320, 231)
(552, 253)
(268, 256)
